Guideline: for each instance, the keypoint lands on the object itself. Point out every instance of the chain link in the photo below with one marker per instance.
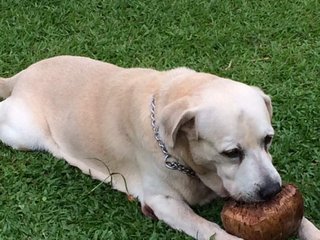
(174, 165)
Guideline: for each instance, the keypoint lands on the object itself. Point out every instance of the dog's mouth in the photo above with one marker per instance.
(261, 193)
(241, 199)
(246, 198)
(249, 200)
(223, 193)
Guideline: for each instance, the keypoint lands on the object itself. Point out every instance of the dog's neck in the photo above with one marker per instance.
(170, 162)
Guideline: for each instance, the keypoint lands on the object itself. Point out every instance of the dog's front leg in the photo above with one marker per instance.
(308, 231)
(180, 216)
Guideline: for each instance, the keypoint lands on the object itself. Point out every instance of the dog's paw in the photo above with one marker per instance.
(224, 236)
(308, 231)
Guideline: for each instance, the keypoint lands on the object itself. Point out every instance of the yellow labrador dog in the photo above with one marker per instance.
(176, 137)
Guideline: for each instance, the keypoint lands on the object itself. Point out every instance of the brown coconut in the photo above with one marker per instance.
(276, 219)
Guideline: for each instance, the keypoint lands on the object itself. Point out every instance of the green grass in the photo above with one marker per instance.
(272, 44)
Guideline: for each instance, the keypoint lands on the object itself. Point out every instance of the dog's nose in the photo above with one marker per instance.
(269, 190)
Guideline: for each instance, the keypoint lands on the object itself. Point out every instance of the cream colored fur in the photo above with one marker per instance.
(96, 116)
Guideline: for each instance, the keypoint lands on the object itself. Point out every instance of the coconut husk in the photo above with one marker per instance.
(277, 219)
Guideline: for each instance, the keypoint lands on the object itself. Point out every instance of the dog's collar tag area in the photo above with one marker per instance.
(173, 165)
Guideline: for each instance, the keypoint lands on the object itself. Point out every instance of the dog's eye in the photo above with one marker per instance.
(267, 141)
(234, 153)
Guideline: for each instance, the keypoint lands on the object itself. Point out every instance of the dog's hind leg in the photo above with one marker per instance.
(17, 128)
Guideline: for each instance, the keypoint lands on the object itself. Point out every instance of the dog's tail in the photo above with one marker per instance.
(6, 86)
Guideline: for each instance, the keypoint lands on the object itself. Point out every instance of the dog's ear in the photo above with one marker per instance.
(177, 116)
(266, 99)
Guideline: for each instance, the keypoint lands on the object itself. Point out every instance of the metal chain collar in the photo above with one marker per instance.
(174, 165)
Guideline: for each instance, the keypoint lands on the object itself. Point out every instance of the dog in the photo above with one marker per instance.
(177, 138)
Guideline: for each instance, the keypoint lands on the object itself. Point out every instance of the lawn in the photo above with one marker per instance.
(269, 43)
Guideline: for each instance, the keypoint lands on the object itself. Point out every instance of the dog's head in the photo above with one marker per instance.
(223, 131)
